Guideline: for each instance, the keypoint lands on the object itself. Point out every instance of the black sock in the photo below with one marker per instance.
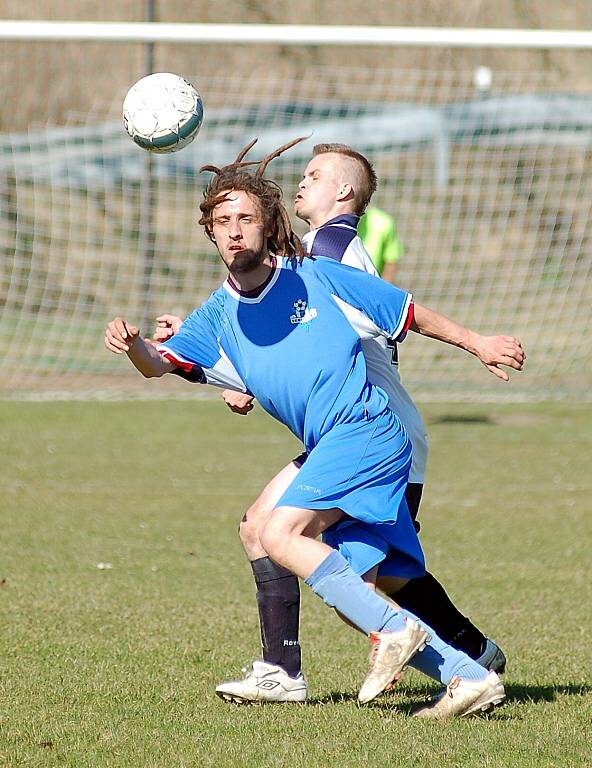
(427, 599)
(278, 599)
(413, 498)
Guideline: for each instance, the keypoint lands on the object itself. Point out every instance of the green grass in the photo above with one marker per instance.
(117, 666)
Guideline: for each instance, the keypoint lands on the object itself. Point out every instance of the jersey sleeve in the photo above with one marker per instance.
(357, 256)
(331, 241)
(197, 352)
(372, 306)
(340, 243)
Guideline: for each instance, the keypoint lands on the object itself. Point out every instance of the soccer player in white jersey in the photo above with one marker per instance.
(268, 314)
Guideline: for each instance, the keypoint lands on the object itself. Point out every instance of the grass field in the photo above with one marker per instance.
(116, 666)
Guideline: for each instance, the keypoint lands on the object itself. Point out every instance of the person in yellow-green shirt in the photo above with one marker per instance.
(378, 232)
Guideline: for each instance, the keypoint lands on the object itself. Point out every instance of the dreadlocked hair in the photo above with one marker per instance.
(283, 241)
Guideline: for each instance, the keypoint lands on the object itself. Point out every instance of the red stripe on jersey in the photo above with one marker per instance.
(179, 363)
(410, 316)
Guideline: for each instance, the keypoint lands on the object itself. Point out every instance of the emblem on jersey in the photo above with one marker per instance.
(303, 314)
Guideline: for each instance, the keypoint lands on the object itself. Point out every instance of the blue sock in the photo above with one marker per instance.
(344, 590)
(441, 661)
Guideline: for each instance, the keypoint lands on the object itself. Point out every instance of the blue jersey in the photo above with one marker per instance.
(296, 344)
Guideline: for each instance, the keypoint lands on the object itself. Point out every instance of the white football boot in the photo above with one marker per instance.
(264, 682)
(463, 698)
(390, 653)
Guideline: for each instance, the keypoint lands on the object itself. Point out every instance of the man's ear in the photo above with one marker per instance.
(345, 192)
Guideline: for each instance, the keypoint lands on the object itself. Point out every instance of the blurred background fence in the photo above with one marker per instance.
(484, 158)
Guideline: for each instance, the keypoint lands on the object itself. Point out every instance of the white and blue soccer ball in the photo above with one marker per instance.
(162, 112)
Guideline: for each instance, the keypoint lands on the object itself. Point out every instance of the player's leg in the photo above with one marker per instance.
(262, 507)
(325, 488)
(289, 536)
(470, 687)
(278, 676)
(448, 661)
(278, 591)
(426, 597)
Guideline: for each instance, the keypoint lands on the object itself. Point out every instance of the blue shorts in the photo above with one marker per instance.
(393, 547)
(359, 467)
(362, 468)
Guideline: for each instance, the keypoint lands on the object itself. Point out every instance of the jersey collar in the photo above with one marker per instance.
(257, 294)
(345, 219)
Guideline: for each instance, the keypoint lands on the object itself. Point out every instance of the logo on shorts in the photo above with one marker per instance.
(302, 313)
(309, 489)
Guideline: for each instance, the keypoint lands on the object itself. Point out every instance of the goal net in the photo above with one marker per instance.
(487, 171)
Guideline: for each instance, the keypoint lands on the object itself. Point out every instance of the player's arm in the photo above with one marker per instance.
(389, 272)
(391, 254)
(238, 402)
(493, 351)
(121, 336)
(166, 327)
(392, 314)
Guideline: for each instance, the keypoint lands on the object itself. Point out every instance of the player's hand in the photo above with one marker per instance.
(238, 402)
(166, 326)
(120, 335)
(494, 351)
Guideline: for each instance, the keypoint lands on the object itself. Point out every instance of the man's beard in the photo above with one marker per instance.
(246, 261)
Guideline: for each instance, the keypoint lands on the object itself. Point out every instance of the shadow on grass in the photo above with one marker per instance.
(514, 693)
(335, 697)
(538, 693)
(460, 418)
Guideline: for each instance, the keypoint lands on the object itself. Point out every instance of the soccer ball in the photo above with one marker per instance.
(162, 112)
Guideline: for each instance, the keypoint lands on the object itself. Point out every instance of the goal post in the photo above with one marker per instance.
(484, 160)
(293, 34)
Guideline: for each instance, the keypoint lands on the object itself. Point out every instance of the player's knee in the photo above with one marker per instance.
(248, 532)
(273, 537)
(248, 529)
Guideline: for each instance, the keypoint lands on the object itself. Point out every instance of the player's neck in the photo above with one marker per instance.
(333, 213)
(254, 278)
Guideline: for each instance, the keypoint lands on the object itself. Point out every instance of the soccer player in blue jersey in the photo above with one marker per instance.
(288, 332)
(337, 184)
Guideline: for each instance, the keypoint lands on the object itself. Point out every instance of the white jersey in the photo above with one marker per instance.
(338, 239)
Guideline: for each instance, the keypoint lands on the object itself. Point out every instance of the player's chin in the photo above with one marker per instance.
(246, 261)
(299, 208)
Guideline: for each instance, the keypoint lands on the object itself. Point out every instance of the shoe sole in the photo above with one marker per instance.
(233, 698)
(480, 707)
(419, 645)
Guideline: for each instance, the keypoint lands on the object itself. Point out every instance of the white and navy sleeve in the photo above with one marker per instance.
(338, 240)
(330, 240)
